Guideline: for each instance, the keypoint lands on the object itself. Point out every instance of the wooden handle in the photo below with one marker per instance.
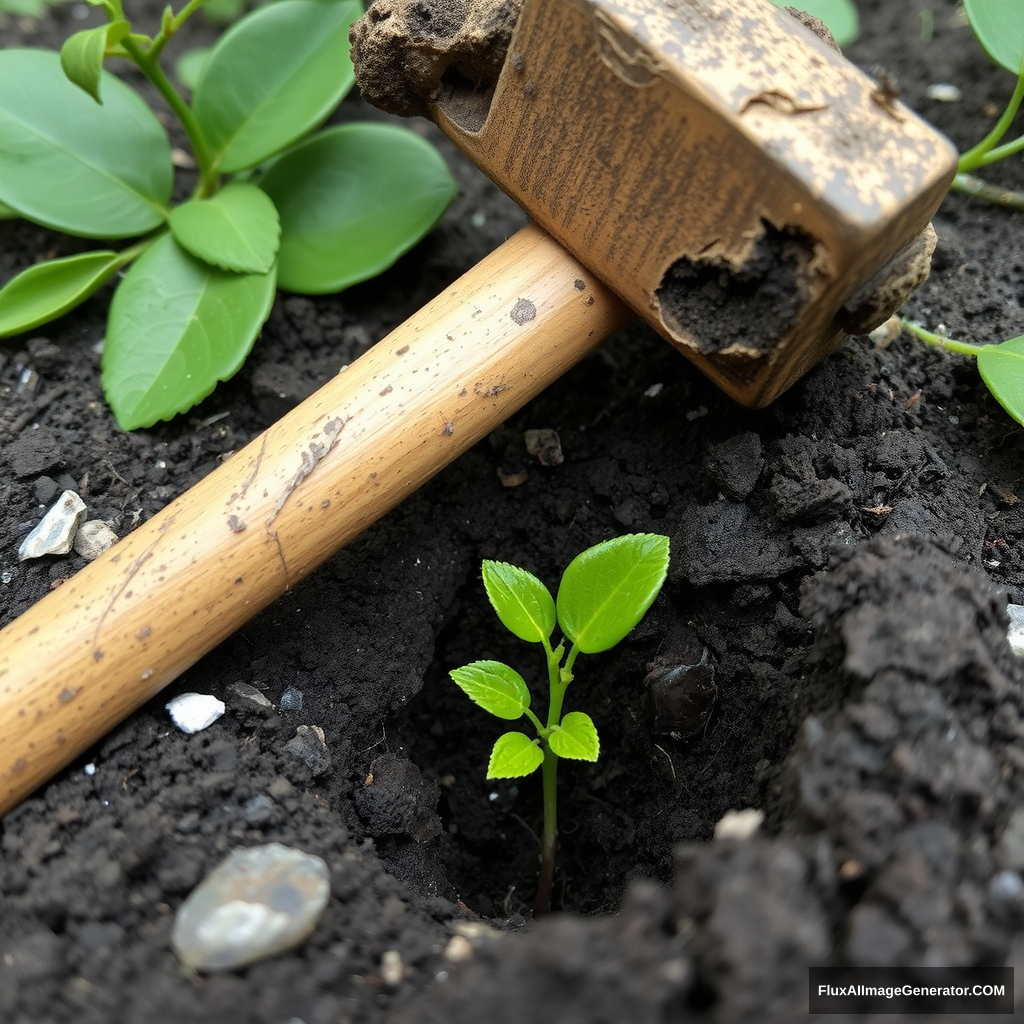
(93, 651)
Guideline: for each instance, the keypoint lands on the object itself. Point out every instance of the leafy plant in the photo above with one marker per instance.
(604, 592)
(999, 28)
(839, 15)
(1001, 366)
(273, 205)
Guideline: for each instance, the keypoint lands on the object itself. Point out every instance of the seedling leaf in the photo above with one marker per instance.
(839, 15)
(514, 755)
(1002, 369)
(352, 200)
(576, 738)
(237, 229)
(274, 76)
(177, 326)
(495, 687)
(71, 164)
(607, 589)
(47, 290)
(82, 54)
(999, 26)
(524, 605)
(188, 68)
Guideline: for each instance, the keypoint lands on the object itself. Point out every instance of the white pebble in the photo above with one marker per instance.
(55, 532)
(93, 538)
(89, 769)
(1015, 634)
(193, 712)
(257, 902)
(739, 824)
(391, 967)
(943, 92)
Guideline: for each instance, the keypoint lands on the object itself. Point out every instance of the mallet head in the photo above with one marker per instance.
(744, 188)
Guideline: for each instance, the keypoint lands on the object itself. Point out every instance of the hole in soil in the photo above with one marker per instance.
(619, 819)
(714, 304)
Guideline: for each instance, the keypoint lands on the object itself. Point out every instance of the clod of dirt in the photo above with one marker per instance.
(398, 801)
(256, 903)
(412, 54)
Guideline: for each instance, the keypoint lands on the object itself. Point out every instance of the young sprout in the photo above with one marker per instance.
(604, 592)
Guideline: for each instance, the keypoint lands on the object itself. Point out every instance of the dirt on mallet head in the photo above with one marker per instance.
(720, 165)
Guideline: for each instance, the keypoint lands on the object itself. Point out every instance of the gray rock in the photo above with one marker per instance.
(257, 902)
(1015, 632)
(309, 747)
(291, 699)
(55, 532)
(93, 538)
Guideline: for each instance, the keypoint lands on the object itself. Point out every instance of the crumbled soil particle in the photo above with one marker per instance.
(843, 556)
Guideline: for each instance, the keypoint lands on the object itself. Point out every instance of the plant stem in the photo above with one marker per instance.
(152, 70)
(975, 157)
(549, 835)
(163, 38)
(978, 189)
(941, 341)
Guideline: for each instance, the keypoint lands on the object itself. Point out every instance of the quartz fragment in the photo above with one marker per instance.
(257, 902)
(1015, 634)
(193, 712)
(93, 538)
(55, 532)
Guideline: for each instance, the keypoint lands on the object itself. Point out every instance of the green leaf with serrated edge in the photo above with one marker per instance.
(274, 76)
(514, 755)
(47, 290)
(606, 590)
(575, 738)
(999, 27)
(1002, 369)
(840, 16)
(71, 164)
(352, 200)
(236, 229)
(177, 326)
(495, 687)
(188, 68)
(82, 54)
(524, 605)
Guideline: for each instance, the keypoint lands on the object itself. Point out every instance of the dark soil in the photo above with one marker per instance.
(845, 557)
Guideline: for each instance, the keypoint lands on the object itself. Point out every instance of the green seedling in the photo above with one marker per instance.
(999, 28)
(604, 592)
(276, 204)
(1001, 366)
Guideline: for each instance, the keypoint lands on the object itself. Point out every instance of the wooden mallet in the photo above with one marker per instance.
(713, 165)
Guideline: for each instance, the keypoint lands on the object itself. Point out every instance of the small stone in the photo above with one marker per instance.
(291, 700)
(193, 712)
(93, 538)
(251, 695)
(258, 809)
(458, 950)
(1006, 887)
(257, 902)
(943, 92)
(1015, 633)
(55, 532)
(886, 333)
(391, 967)
(545, 446)
(739, 824)
(310, 747)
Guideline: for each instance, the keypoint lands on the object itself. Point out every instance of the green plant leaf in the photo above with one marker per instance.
(839, 15)
(607, 589)
(47, 290)
(223, 11)
(188, 68)
(6, 213)
(237, 229)
(999, 26)
(177, 326)
(1002, 369)
(495, 687)
(71, 164)
(352, 200)
(272, 77)
(524, 605)
(82, 54)
(575, 738)
(513, 756)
